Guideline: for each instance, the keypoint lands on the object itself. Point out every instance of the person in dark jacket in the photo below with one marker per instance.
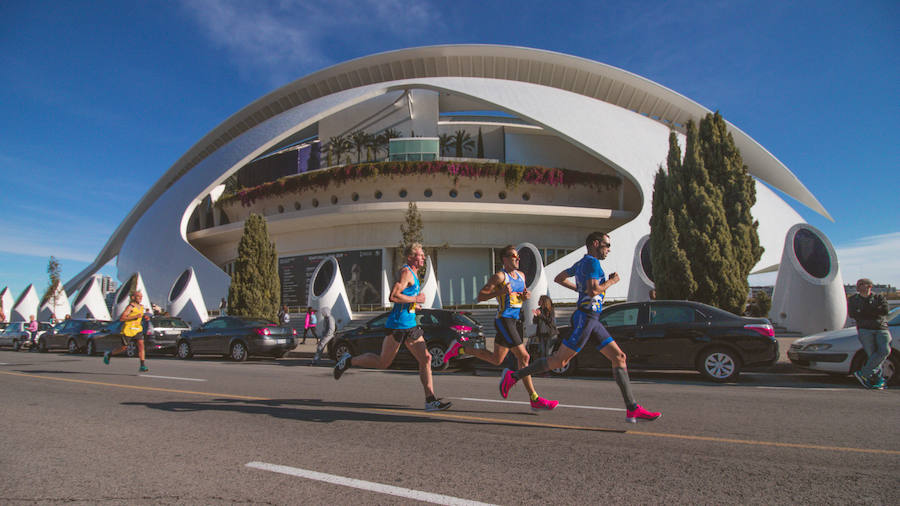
(545, 319)
(870, 311)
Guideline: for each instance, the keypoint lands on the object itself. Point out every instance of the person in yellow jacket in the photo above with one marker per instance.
(131, 329)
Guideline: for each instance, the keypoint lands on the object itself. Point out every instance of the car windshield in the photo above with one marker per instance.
(94, 324)
(464, 319)
(175, 323)
(894, 316)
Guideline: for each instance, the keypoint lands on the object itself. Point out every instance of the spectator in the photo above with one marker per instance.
(652, 294)
(32, 329)
(284, 317)
(328, 328)
(870, 311)
(309, 324)
(223, 305)
(545, 319)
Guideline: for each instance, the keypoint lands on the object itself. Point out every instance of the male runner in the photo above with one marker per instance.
(508, 286)
(402, 329)
(591, 284)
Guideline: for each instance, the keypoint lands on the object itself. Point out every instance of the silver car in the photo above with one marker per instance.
(840, 352)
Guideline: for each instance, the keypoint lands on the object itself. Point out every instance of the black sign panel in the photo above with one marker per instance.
(360, 269)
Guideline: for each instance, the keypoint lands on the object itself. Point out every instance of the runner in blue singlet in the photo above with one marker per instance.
(402, 329)
(591, 284)
(508, 286)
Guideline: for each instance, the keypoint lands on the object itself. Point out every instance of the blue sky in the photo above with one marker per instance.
(99, 98)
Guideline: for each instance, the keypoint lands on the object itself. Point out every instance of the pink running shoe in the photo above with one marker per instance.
(506, 382)
(639, 414)
(541, 404)
(453, 350)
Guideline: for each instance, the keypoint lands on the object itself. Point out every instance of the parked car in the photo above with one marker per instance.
(238, 337)
(672, 334)
(440, 326)
(840, 352)
(16, 335)
(106, 338)
(166, 331)
(70, 334)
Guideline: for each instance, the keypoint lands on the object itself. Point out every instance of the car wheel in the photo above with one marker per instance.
(239, 351)
(183, 350)
(436, 349)
(17, 345)
(566, 370)
(889, 368)
(340, 349)
(73, 346)
(90, 348)
(719, 365)
(131, 350)
(42, 345)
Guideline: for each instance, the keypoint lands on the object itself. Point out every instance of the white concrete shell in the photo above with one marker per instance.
(617, 118)
(6, 303)
(430, 286)
(185, 299)
(90, 302)
(538, 284)
(60, 309)
(326, 289)
(123, 295)
(26, 305)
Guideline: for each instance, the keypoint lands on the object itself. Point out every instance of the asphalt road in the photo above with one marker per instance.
(265, 431)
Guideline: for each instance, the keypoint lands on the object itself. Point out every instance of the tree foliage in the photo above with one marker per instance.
(703, 239)
(52, 293)
(760, 304)
(411, 231)
(255, 288)
(461, 141)
(479, 151)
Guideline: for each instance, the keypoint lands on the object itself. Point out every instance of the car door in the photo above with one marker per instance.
(672, 332)
(622, 322)
(369, 338)
(56, 338)
(206, 337)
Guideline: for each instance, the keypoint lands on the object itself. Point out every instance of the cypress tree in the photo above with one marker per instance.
(255, 287)
(411, 232)
(480, 148)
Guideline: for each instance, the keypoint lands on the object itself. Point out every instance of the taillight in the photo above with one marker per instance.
(88, 331)
(294, 332)
(263, 331)
(461, 328)
(764, 329)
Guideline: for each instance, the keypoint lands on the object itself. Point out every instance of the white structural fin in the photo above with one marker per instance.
(6, 303)
(26, 305)
(186, 300)
(532, 265)
(326, 288)
(123, 296)
(809, 290)
(430, 286)
(90, 302)
(58, 308)
(641, 283)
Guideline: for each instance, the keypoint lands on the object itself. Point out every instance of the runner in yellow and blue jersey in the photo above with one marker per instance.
(591, 284)
(508, 286)
(402, 329)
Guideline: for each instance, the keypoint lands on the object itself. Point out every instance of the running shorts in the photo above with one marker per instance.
(507, 332)
(584, 328)
(410, 334)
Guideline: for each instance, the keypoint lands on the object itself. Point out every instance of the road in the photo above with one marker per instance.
(277, 431)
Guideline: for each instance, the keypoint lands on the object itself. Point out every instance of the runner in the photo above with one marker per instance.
(591, 284)
(508, 286)
(131, 329)
(402, 329)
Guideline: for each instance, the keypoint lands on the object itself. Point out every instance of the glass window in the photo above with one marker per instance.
(378, 323)
(426, 319)
(894, 317)
(661, 314)
(219, 323)
(620, 317)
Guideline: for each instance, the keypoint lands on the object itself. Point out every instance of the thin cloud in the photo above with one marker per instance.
(284, 40)
(873, 257)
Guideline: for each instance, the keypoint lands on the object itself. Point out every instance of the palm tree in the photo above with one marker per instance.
(384, 139)
(337, 146)
(461, 141)
(359, 140)
(444, 142)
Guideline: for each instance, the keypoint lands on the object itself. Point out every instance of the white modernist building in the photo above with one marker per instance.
(514, 105)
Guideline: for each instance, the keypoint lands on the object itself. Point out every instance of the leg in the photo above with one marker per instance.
(389, 348)
(321, 347)
(522, 359)
(867, 340)
(881, 344)
(420, 352)
(495, 357)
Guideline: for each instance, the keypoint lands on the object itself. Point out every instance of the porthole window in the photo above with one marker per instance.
(477, 194)
(280, 209)
(453, 193)
(297, 206)
(428, 193)
(402, 194)
(526, 196)
(502, 195)
(378, 194)
(315, 202)
(334, 199)
(354, 197)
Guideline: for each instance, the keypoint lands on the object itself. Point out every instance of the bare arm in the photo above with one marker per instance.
(406, 279)
(493, 288)
(563, 279)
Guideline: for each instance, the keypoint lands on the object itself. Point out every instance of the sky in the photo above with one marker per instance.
(99, 98)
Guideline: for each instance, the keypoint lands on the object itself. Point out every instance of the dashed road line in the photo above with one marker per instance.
(601, 408)
(169, 377)
(380, 488)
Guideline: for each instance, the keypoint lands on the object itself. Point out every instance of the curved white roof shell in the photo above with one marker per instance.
(439, 66)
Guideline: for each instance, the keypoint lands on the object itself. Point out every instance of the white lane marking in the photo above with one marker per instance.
(813, 389)
(169, 377)
(529, 404)
(416, 495)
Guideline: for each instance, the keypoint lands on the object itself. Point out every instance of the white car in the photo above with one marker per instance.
(840, 352)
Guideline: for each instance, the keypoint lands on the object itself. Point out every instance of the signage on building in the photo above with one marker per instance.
(361, 271)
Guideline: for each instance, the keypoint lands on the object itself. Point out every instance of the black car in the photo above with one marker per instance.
(237, 337)
(671, 334)
(166, 332)
(440, 326)
(69, 334)
(107, 338)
